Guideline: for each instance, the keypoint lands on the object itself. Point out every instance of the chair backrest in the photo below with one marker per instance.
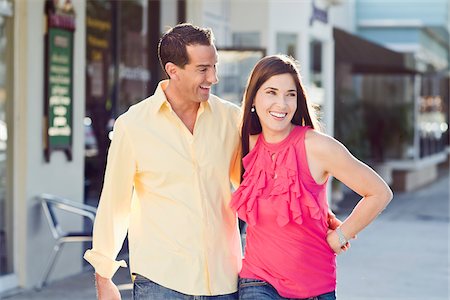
(51, 202)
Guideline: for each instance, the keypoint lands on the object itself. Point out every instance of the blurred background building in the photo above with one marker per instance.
(378, 71)
(399, 98)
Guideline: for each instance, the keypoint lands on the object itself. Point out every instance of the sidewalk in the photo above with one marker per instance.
(76, 287)
(403, 255)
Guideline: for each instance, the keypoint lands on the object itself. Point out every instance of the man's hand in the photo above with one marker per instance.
(333, 222)
(106, 289)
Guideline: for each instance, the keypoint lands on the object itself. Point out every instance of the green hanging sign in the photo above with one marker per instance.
(59, 79)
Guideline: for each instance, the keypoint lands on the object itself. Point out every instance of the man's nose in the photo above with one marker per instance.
(212, 76)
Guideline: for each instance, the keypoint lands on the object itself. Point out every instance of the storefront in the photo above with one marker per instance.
(390, 113)
(25, 168)
(374, 99)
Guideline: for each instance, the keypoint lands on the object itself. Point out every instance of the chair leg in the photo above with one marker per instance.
(51, 262)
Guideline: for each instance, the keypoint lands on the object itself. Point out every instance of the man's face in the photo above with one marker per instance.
(197, 77)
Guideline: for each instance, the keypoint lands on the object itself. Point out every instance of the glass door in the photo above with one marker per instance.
(122, 69)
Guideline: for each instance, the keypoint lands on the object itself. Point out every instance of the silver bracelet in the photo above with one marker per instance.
(342, 239)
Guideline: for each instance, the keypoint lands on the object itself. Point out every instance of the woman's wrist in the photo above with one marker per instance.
(343, 240)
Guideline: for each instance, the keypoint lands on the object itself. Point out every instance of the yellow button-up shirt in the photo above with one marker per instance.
(170, 190)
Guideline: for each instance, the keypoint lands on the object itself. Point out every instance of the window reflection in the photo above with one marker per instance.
(433, 126)
(120, 72)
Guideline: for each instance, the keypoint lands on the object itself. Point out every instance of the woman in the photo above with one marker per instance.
(290, 250)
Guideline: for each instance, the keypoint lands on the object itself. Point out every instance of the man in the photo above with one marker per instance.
(167, 183)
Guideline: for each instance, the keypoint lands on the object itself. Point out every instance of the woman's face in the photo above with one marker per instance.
(275, 104)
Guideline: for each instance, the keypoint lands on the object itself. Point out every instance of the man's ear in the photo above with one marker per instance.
(172, 70)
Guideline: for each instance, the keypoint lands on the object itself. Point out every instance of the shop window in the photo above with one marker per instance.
(433, 118)
(122, 69)
(375, 117)
(315, 89)
(246, 39)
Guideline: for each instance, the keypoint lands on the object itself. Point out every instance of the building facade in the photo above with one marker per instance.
(421, 30)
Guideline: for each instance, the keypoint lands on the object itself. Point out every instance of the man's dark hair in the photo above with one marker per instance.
(172, 45)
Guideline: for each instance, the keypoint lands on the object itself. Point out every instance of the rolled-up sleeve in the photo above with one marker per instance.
(112, 219)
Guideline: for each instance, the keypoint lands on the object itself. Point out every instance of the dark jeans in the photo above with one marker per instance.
(144, 289)
(254, 289)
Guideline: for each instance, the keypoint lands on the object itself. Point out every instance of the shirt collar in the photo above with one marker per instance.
(160, 100)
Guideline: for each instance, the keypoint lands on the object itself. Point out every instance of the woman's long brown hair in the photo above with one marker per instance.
(266, 68)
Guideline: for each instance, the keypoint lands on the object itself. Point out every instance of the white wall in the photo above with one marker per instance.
(32, 175)
(343, 16)
(214, 14)
(250, 16)
(288, 17)
(169, 17)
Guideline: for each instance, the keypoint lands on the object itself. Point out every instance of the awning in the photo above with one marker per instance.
(368, 57)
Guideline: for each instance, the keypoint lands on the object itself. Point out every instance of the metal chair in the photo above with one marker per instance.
(49, 205)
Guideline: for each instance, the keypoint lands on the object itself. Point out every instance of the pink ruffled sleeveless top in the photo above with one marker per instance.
(286, 215)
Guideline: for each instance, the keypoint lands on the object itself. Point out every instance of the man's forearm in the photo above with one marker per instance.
(106, 289)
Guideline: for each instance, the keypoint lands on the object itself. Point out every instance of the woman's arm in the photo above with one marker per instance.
(327, 156)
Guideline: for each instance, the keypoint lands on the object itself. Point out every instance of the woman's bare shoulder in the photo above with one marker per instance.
(321, 143)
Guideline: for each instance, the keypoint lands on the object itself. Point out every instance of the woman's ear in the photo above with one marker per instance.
(171, 70)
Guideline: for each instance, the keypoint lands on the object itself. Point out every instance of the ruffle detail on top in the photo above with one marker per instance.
(288, 193)
(244, 199)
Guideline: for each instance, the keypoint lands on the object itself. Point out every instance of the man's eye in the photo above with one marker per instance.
(202, 70)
